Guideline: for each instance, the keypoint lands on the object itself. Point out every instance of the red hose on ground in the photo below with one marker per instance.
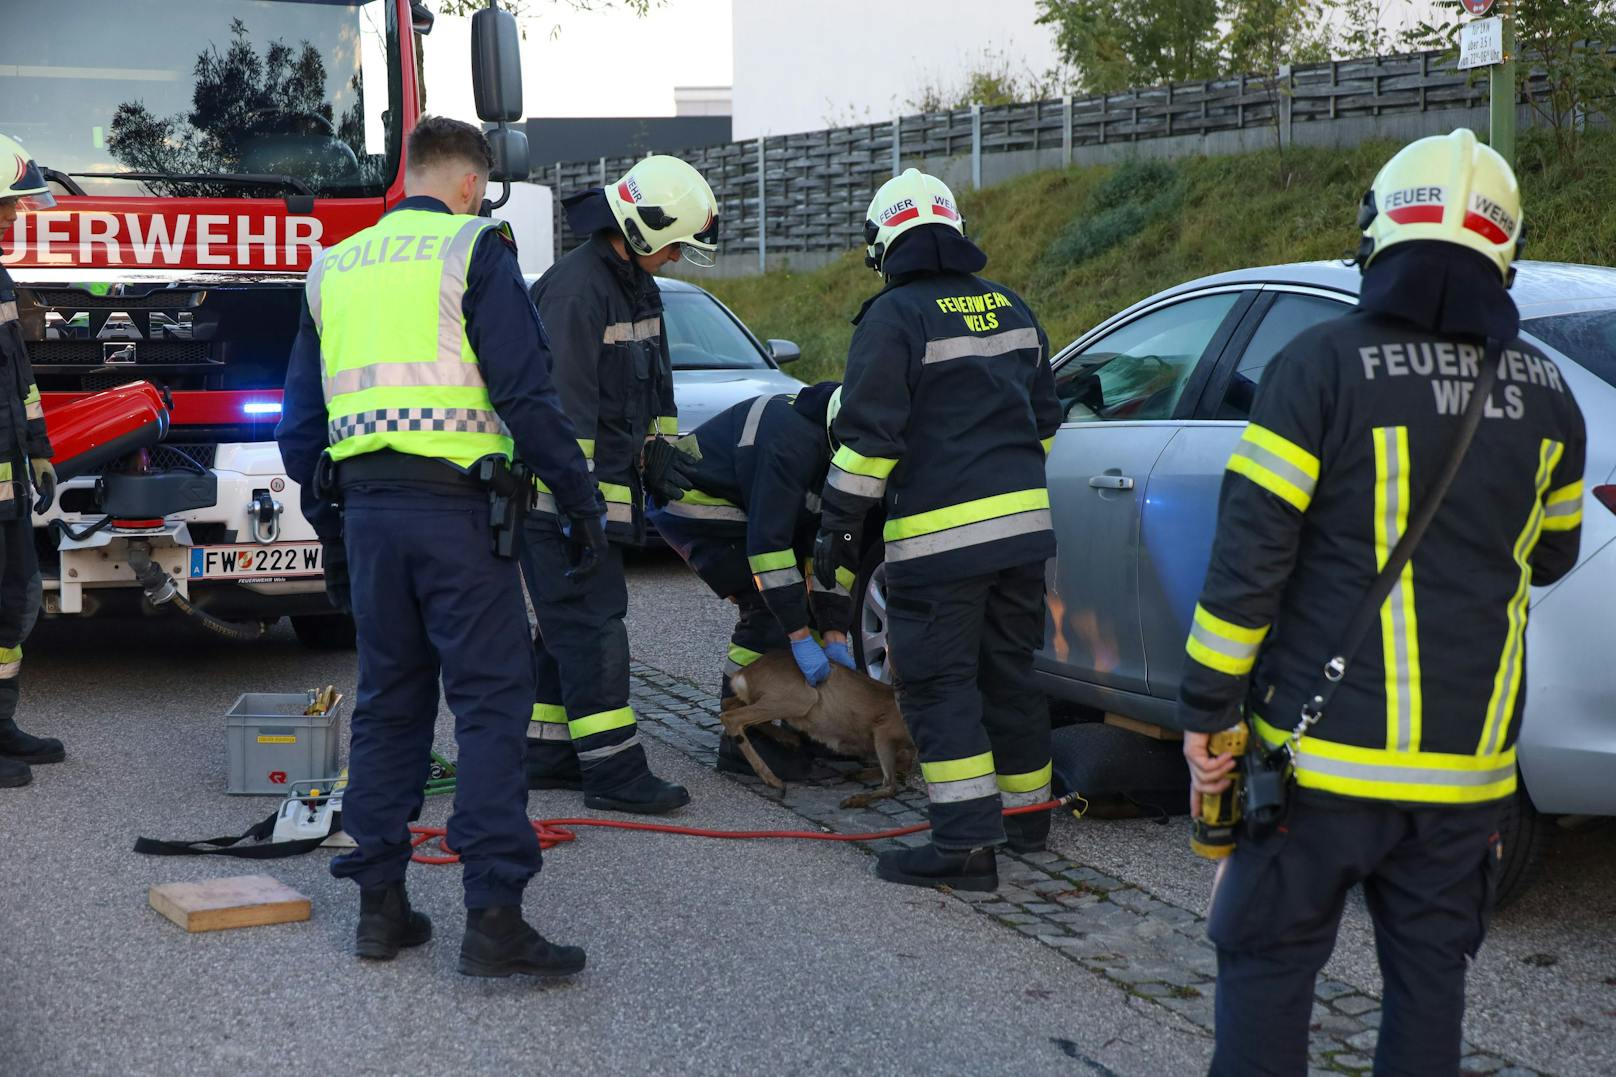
(553, 832)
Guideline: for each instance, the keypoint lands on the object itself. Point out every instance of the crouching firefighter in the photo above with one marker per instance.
(747, 528)
(417, 377)
(947, 413)
(25, 455)
(1410, 472)
(602, 308)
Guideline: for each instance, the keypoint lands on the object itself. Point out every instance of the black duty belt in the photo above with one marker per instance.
(387, 466)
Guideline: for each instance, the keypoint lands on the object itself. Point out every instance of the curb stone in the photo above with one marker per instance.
(1152, 949)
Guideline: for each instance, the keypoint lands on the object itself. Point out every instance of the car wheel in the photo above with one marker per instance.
(870, 616)
(1526, 833)
(325, 631)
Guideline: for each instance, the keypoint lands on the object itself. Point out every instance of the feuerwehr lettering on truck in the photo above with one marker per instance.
(238, 240)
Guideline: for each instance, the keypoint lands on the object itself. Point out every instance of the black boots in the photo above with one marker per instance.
(1027, 832)
(553, 765)
(499, 942)
(27, 748)
(387, 923)
(927, 865)
(789, 765)
(645, 795)
(18, 750)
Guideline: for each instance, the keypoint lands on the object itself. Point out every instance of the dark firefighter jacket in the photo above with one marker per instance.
(1351, 423)
(762, 464)
(604, 318)
(512, 355)
(22, 418)
(947, 397)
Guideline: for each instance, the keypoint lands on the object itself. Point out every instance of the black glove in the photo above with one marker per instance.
(337, 590)
(667, 470)
(586, 544)
(834, 547)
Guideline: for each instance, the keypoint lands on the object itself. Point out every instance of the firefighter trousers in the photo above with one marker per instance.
(962, 651)
(1428, 876)
(580, 662)
(20, 594)
(720, 561)
(430, 597)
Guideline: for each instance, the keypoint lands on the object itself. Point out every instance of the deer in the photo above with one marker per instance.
(849, 713)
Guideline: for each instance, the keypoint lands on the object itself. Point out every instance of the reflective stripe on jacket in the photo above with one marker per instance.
(22, 417)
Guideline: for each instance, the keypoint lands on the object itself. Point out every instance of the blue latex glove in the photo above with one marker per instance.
(838, 653)
(811, 660)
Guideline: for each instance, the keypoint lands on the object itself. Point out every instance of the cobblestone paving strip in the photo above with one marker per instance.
(1150, 948)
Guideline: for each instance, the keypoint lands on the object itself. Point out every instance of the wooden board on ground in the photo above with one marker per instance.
(239, 901)
(1134, 725)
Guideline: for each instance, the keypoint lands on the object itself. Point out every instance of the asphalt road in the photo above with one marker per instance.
(704, 956)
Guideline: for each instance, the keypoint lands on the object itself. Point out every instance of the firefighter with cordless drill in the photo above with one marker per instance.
(1386, 764)
(25, 471)
(948, 410)
(603, 310)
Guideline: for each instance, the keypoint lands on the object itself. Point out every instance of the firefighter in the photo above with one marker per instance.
(602, 308)
(25, 455)
(947, 413)
(420, 360)
(1400, 785)
(747, 528)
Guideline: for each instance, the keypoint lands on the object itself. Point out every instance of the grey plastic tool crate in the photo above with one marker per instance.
(272, 743)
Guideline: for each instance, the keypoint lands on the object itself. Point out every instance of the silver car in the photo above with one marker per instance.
(1156, 398)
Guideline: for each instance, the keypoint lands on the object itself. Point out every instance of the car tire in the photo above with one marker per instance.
(870, 616)
(1526, 833)
(325, 631)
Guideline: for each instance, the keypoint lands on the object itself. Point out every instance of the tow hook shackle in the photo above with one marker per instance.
(264, 516)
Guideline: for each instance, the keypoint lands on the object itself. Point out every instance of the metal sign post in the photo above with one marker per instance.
(1501, 90)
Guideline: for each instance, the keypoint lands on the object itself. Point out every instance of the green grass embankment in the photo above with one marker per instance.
(1082, 243)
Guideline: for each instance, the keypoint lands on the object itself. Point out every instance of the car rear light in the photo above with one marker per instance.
(1606, 496)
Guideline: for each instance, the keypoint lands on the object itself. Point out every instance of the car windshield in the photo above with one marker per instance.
(702, 335)
(1587, 337)
(284, 87)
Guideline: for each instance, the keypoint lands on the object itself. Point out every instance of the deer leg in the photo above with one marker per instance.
(887, 752)
(738, 720)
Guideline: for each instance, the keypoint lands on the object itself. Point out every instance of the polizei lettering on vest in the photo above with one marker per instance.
(138, 239)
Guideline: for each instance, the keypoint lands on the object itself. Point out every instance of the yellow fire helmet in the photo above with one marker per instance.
(1449, 188)
(907, 201)
(20, 177)
(661, 201)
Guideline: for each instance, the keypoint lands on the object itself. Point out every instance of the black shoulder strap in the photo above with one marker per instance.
(227, 846)
(1335, 670)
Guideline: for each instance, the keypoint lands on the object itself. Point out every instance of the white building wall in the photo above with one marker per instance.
(802, 67)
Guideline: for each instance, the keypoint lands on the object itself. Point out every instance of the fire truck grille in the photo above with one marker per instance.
(94, 352)
(70, 299)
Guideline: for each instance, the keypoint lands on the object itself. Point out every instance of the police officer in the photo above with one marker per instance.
(1399, 785)
(947, 412)
(420, 358)
(603, 310)
(25, 454)
(747, 528)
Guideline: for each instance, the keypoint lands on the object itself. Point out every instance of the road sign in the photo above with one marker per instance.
(1478, 7)
(1481, 43)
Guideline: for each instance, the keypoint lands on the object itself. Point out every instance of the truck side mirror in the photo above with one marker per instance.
(496, 66)
(511, 163)
(421, 18)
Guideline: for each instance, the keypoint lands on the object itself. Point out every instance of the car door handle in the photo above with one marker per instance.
(1111, 482)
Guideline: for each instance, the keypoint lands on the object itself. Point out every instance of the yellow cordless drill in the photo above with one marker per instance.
(1212, 835)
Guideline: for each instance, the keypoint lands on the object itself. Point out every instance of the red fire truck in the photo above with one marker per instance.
(202, 152)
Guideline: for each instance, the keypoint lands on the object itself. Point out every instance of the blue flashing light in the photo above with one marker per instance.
(261, 407)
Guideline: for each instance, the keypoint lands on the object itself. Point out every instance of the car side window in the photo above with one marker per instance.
(1139, 370)
(1291, 313)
